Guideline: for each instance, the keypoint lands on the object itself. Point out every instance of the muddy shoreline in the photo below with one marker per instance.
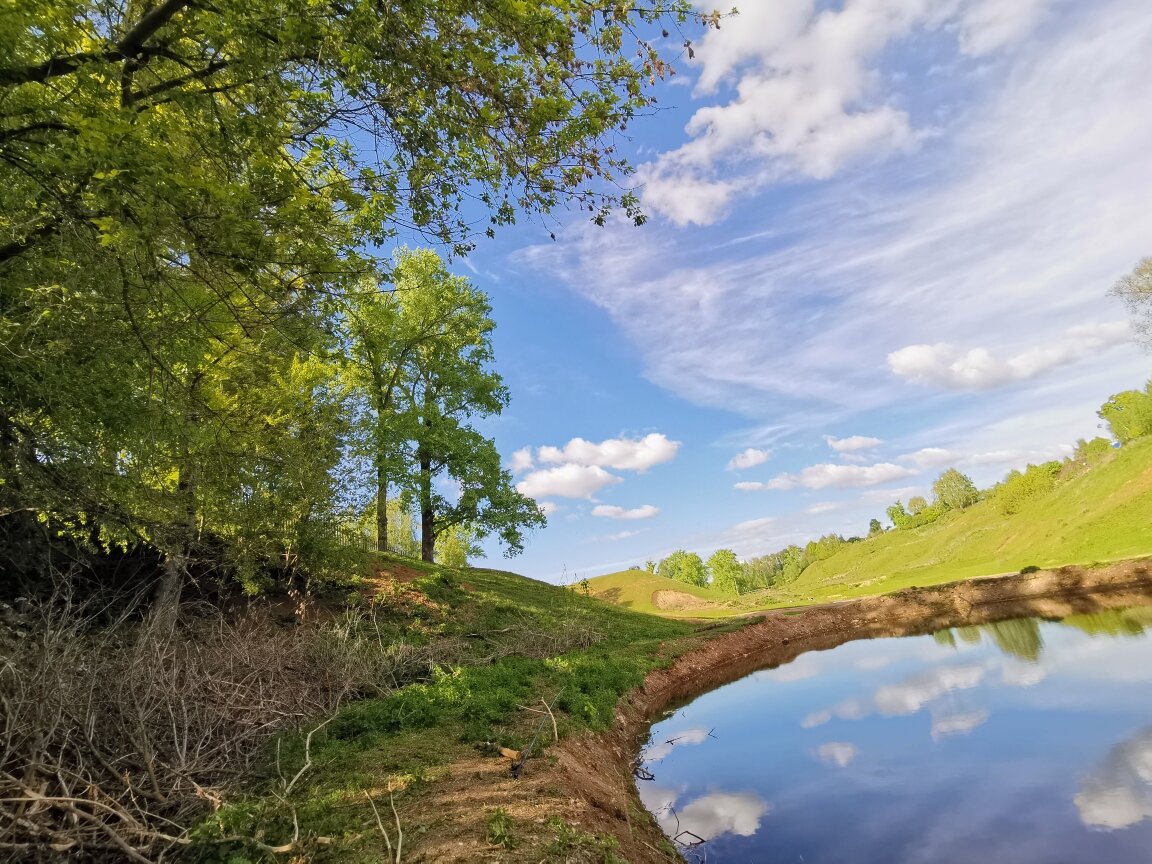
(596, 770)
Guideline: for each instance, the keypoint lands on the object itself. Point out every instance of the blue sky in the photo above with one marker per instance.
(881, 237)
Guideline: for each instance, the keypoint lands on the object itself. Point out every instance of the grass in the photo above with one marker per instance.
(634, 589)
(1102, 515)
(496, 642)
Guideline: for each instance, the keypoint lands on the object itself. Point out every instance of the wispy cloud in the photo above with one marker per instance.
(829, 475)
(611, 511)
(749, 458)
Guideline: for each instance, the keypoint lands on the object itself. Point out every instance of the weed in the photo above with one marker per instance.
(500, 829)
(574, 846)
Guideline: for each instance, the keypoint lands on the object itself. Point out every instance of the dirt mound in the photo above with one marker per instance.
(665, 599)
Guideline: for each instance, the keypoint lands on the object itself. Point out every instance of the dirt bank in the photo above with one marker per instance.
(595, 771)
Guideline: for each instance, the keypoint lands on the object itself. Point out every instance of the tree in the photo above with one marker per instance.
(954, 490)
(456, 545)
(1135, 290)
(898, 515)
(916, 504)
(684, 567)
(1129, 414)
(725, 570)
(874, 528)
(183, 206)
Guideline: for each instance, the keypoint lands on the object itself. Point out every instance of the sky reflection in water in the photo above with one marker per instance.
(1022, 741)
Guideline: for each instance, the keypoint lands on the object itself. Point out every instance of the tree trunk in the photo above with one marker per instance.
(427, 516)
(166, 598)
(381, 505)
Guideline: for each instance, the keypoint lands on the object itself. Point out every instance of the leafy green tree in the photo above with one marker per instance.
(954, 490)
(898, 515)
(684, 567)
(182, 209)
(1135, 290)
(457, 545)
(1020, 487)
(916, 504)
(1129, 414)
(725, 570)
(875, 527)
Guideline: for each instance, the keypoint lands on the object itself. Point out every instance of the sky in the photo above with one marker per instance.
(880, 241)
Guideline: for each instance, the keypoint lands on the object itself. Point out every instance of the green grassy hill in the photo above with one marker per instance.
(1104, 514)
(639, 591)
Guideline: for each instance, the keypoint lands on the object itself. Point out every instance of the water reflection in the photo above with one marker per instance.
(706, 817)
(993, 742)
(1118, 793)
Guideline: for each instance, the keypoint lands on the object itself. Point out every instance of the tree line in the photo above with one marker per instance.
(1128, 415)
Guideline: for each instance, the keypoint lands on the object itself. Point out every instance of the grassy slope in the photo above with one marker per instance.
(1102, 515)
(633, 589)
(500, 641)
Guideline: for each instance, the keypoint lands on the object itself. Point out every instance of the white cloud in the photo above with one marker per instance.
(838, 753)
(929, 457)
(834, 476)
(611, 511)
(823, 507)
(1118, 793)
(619, 535)
(521, 460)
(624, 454)
(943, 365)
(749, 458)
(717, 813)
(566, 481)
(548, 507)
(809, 96)
(908, 697)
(655, 751)
(852, 444)
(961, 723)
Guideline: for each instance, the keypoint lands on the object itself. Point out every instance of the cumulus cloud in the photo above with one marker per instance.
(717, 813)
(611, 511)
(566, 481)
(833, 476)
(908, 697)
(852, 444)
(1118, 793)
(623, 454)
(808, 99)
(548, 507)
(749, 458)
(521, 460)
(944, 365)
(838, 753)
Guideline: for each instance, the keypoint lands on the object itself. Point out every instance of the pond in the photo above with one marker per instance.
(1020, 741)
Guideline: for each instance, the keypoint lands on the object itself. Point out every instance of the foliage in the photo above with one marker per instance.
(500, 827)
(1018, 487)
(1135, 290)
(1129, 414)
(684, 567)
(916, 504)
(954, 490)
(898, 515)
(725, 570)
(875, 527)
(189, 194)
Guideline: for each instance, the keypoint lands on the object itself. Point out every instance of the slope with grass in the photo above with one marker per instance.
(510, 666)
(1105, 514)
(642, 591)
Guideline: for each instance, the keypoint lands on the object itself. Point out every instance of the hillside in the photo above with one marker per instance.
(642, 591)
(1104, 514)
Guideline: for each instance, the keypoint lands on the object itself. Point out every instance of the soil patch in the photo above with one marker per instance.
(669, 600)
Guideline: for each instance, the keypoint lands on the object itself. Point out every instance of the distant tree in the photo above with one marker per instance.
(1135, 290)
(916, 504)
(650, 566)
(1129, 414)
(1020, 487)
(725, 570)
(456, 545)
(955, 490)
(794, 563)
(898, 515)
(1088, 453)
(875, 527)
(684, 567)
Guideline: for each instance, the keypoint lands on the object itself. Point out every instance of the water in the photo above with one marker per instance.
(1023, 741)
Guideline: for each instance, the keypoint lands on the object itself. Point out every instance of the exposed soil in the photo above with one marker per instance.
(588, 779)
(669, 600)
